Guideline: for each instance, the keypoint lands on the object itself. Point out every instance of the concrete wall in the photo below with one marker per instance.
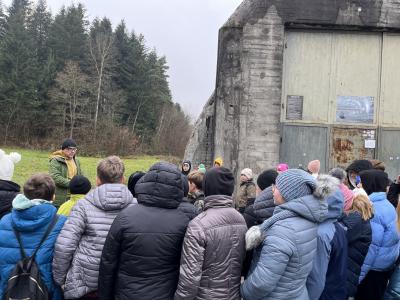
(246, 104)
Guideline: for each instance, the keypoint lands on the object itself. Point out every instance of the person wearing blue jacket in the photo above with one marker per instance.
(384, 249)
(285, 244)
(327, 279)
(31, 215)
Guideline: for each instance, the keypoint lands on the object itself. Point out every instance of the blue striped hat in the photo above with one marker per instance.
(295, 183)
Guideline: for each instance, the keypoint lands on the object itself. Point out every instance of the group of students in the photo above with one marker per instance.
(174, 234)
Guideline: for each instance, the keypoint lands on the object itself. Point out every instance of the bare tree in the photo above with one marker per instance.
(100, 45)
(71, 95)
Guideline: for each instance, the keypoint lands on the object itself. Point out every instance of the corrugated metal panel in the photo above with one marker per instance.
(301, 144)
(357, 66)
(348, 144)
(307, 71)
(389, 151)
(390, 91)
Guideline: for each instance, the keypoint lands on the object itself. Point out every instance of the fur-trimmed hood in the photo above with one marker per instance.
(312, 207)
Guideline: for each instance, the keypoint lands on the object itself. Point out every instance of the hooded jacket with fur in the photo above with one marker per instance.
(79, 246)
(285, 247)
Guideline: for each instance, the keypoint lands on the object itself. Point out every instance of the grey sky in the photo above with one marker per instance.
(185, 31)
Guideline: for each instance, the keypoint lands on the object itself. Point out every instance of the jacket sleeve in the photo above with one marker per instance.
(275, 255)
(317, 277)
(67, 243)
(191, 262)
(56, 174)
(393, 194)
(110, 260)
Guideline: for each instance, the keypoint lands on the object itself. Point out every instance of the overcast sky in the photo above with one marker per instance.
(185, 31)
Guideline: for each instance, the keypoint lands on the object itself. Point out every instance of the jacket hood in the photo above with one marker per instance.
(9, 186)
(161, 186)
(311, 207)
(58, 155)
(29, 220)
(266, 195)
(110, 196)
(218, 201)
(375, 197)
(335, 205)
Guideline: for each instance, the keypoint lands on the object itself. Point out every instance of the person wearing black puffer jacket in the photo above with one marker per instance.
(8, 188)
(359, 236)
(141, 255)
(264, 204)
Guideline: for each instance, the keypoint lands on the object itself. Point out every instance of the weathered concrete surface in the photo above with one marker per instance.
(246, 105)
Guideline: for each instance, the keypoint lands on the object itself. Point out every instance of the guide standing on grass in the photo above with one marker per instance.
(63, 167)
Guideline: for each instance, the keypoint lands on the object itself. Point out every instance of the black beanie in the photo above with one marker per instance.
(79, 185)
(374, 181)
(218, 181)
(68, 143)
(133, 179)
(266, 179)
(185, 183)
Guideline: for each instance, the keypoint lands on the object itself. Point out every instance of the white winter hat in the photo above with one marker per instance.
(247, 172)
(7, 164)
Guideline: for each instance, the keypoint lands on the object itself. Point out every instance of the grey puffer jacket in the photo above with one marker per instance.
(286, 244)
(213, 253)
(78, 248)
(264, 205)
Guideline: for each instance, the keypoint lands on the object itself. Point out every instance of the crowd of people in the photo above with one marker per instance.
(178, 233)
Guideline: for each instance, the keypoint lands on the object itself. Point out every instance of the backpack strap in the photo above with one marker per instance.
(46, 234)
(21, 248)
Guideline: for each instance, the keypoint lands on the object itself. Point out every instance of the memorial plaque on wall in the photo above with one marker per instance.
(294, 107)
(354, 109)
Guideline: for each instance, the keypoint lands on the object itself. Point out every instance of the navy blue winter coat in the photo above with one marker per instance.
(264, 205)
(327, 279)
(32, 224)
(384, 248)
(359, 236)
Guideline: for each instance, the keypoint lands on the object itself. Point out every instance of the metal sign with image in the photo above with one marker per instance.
(355, 109)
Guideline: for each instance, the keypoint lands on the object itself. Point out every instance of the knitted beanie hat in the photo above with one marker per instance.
(295, 183)
(219, 161)
(266, 179)
(79, 185)
(247, 172)
(7, 164)
(282, 167)
(348, 197)
(314, 166)
(218, 181)
(202, 168)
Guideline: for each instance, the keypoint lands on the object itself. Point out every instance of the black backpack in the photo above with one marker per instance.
(25, 281)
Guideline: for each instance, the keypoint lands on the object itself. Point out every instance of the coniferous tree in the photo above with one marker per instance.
(18, 68)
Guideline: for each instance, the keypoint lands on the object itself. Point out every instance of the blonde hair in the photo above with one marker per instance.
(362, 205)
(110, 170)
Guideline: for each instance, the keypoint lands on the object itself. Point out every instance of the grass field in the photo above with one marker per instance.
(38, 161)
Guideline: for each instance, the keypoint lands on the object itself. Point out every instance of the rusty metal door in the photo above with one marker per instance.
(389, 151)
(349, 144)
(302, 144)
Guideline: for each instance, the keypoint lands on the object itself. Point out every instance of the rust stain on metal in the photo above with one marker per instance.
(348, 145)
